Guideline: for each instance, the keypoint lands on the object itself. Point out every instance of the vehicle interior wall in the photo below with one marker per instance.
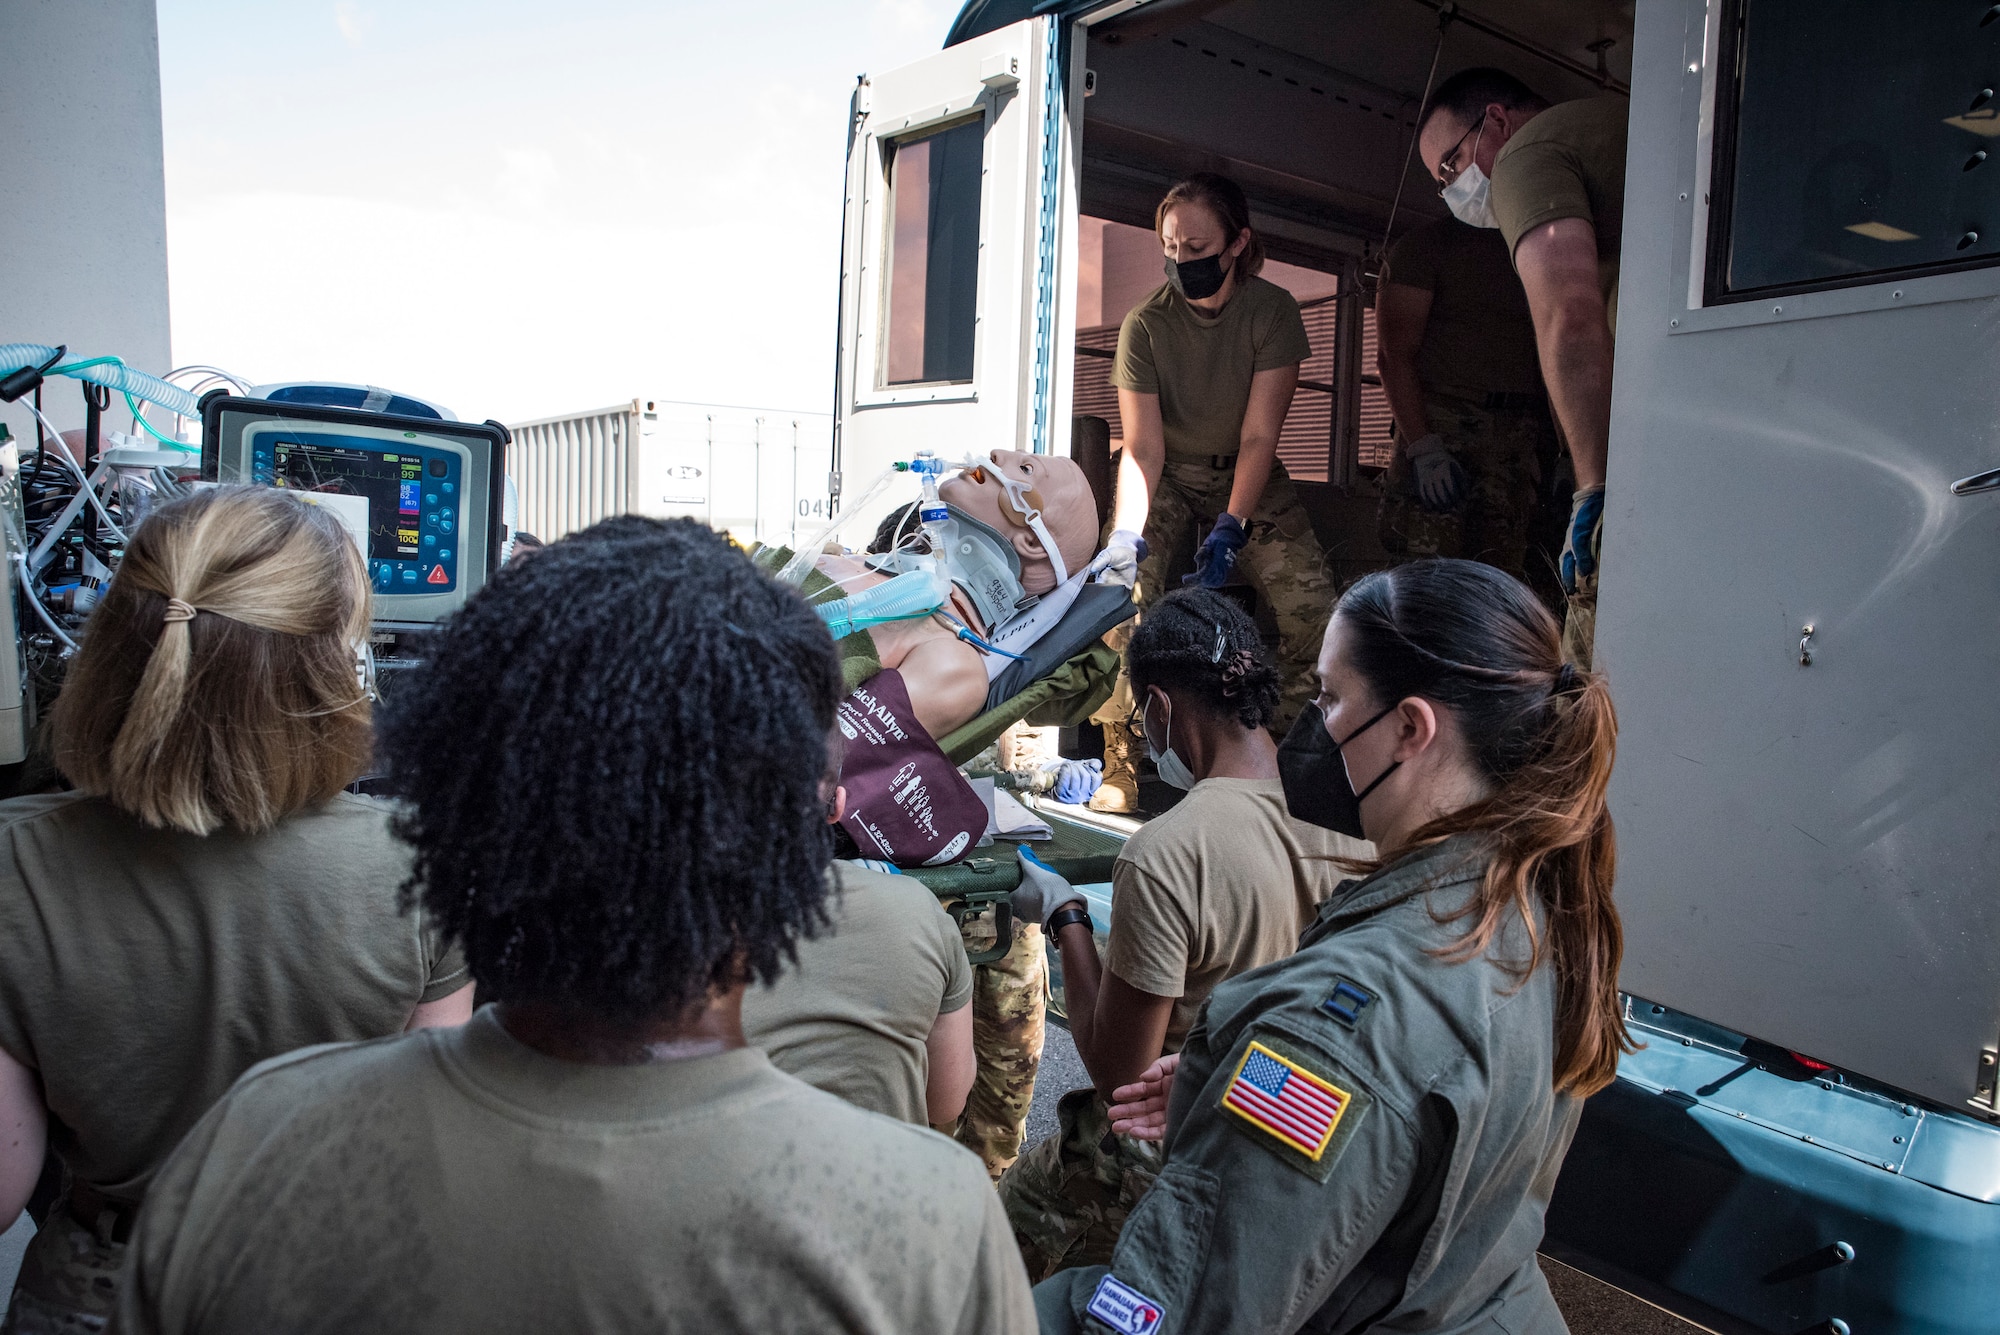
(1311, 106)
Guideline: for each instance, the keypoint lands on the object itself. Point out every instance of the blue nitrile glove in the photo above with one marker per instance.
(874, 864)
(1075, 780)
(1041, 892)
(1218, 552)
(1440, 481)
(1586, 534)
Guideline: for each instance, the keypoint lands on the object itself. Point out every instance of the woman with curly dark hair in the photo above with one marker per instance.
(615, 769)
(1223, 882)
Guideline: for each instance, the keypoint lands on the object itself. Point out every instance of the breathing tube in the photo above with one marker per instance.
(106, 371)
(801, 564)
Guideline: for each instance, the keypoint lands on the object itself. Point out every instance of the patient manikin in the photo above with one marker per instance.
(1002, 510)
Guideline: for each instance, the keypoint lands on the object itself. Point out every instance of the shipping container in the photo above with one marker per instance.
(759, 474)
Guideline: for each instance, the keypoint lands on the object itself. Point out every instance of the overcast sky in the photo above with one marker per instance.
(518, 209)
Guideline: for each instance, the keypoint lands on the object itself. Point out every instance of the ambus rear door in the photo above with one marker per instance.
(958, 245)
(1800, 619)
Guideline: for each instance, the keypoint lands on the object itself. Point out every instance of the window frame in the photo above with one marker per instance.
(1728, 101)
(886, 148)
(871, 365)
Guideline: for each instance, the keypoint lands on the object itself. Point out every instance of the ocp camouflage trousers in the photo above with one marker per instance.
(1501, 451)
(1282, 562)
(1009, 1006)
(1068, 1197)
(68, 1283)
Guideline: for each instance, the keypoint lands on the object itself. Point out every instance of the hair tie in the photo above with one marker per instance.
(177, 611)
(1241, 665)
(1565, 681)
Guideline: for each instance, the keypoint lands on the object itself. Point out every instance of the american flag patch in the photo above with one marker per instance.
(1278, 1096)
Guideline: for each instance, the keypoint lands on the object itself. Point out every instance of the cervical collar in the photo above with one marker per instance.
(983, 564)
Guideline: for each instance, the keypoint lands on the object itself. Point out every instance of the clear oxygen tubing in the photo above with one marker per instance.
(796, 569)
(106, 371)
(914, 593)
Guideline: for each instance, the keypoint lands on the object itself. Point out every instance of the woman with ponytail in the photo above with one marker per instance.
(1222, 883)
(1364, 1136)
(208, 896)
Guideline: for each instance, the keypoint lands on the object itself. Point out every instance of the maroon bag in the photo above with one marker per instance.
(906, 803)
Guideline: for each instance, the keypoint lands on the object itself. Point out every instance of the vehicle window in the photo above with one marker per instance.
(932, 285)
(1856, 145)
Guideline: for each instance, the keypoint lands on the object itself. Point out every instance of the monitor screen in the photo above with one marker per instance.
(418, 495)
(412, 494)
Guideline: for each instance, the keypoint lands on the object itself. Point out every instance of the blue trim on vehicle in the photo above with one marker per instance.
(1754, 1196)
(1048, 231)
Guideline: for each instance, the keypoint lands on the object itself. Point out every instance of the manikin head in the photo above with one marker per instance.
(1056, 485)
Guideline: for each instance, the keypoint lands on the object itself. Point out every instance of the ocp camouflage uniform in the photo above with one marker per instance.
(1069, 1196)
(68, 1284)
(1009, 1006)
(1502, 444)
(1282, 561)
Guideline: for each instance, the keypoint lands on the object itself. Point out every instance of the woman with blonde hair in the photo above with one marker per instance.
(208, 896)
(1364, 1136)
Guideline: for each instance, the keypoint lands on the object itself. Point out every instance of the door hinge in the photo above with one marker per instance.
(1986, 1085)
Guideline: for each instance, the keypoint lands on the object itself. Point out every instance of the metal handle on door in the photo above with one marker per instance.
(1978, 482)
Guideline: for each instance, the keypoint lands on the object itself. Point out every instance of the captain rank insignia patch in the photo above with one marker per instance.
(1292, 1110)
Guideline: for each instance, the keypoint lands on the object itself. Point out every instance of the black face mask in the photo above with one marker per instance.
(1195, 279)
(1317, 789)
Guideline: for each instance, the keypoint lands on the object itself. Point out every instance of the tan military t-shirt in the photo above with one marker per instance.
(142, 971)
(1222, 883)
(1568, 162)
(1479, 338)
(457, 1180)
(1201, 366)
(852, 1016)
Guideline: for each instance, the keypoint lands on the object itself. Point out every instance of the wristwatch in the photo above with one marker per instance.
(1062, 918)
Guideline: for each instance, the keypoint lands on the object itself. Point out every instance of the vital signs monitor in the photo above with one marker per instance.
(422, 494)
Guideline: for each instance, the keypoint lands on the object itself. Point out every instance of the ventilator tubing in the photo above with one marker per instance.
(810, 550)
(913, 593)
(104, 371)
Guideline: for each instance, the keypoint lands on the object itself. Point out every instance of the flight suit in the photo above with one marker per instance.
(1360, 1136)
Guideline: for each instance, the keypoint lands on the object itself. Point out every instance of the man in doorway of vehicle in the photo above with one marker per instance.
(1551, 179)
(1475, 447)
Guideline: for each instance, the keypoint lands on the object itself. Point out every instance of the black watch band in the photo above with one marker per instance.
(1062, 918)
